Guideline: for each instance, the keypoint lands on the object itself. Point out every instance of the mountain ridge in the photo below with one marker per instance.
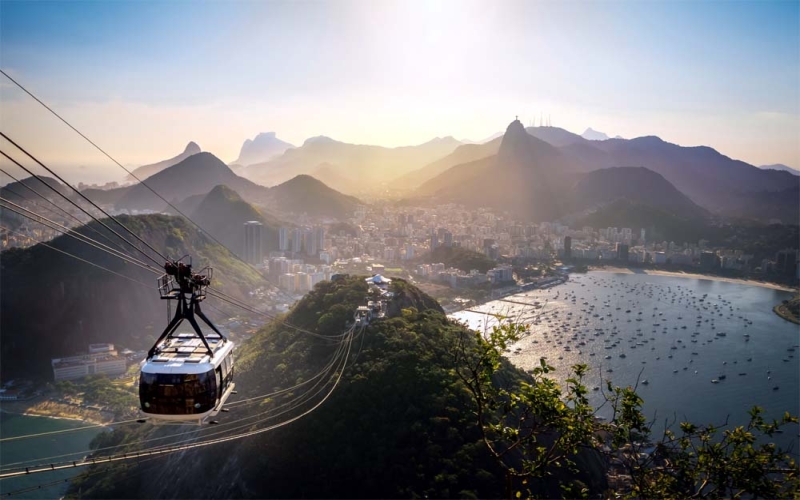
(263, 147)
(146, 171)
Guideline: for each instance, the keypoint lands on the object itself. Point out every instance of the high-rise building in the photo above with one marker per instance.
(253, 242)
(310, 242)
(786, 262)
(319, 234)
(567, 247)
(297, 240)
(283, 239)
(448, 239)
(434, 240)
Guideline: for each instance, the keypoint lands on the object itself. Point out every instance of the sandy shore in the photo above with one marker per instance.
(655, 272)
(45, 408)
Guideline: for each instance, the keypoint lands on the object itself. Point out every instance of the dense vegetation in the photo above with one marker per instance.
(547, 425)
(398, 425)
(427, 408)
(460, 258)
(56, 305)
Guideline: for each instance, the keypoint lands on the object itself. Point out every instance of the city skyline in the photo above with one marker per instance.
(145, 79)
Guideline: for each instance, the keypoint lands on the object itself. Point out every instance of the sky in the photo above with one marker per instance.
(142, 78)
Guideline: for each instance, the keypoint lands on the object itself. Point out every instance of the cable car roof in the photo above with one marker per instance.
(185, 353)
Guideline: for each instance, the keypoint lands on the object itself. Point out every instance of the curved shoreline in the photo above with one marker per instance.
(51, 409)
(680, 274)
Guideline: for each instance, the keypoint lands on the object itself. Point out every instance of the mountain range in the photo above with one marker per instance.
(782, 167)
(367, 165)
(264, 147)
(187, 184)
(197, 174)
(146, 171)
(710, 181)
(24, 189)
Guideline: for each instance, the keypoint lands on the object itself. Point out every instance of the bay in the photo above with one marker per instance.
(679, 334)
(37, 450)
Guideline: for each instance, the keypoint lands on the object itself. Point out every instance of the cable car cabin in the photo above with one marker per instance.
(182, 382)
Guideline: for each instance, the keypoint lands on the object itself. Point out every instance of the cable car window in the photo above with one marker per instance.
(177, 394)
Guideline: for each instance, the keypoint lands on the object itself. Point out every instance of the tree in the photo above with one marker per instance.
(535, 427)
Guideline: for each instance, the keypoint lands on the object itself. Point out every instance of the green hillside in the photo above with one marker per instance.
(399, 425)
(222, 212)
(53, 305)
(460, 258)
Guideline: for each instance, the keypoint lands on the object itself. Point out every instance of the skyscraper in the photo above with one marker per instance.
(434, 240)
(310, 242)
(283, 239)
(253, 242)
(448, 239)
(567, 247)
(297, 240)
(319, 233)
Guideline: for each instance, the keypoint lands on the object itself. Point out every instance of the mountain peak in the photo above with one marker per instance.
(320, 139)
(191, 148)
(594, 135)
(515, 142)
(261, 148)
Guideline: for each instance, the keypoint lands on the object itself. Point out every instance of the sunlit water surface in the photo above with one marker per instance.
(669, 332)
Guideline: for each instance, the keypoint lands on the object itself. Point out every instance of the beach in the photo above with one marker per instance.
(680, 274)
(43, 407)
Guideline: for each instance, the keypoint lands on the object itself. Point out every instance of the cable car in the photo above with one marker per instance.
(186, 377)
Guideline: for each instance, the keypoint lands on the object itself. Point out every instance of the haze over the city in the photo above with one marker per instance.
(144, 79)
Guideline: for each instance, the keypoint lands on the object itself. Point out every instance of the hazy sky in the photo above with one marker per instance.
(144, 78)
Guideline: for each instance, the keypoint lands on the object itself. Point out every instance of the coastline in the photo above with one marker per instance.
(680, 274)
(42, 407)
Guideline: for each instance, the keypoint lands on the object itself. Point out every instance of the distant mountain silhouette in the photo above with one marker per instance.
(782, 167)
(197, 174)
(538, 181)
(465, 153)
(222, 213)
(709, 178)
(146, 171)
(636, 184)
(594, 135)
(17, 190)
(305, 194)
(264, 147)
(712, 180)
(332, 176)
(556, 136)
(527, 177)
(369, 165)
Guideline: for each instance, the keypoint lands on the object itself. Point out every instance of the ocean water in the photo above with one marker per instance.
(34, 451)
(667, 331)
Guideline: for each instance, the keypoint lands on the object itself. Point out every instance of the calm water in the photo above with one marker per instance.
(35, 449)
(665, 330)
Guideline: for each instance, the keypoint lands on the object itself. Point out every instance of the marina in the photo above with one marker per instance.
(633, 328)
